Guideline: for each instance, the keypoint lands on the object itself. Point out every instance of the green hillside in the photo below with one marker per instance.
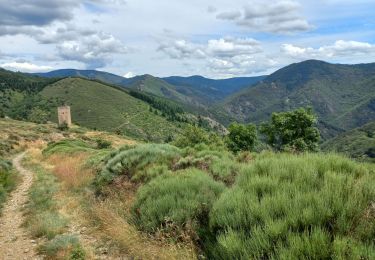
(341, 95)
(102, 107)
(159, 87)
(358, 143)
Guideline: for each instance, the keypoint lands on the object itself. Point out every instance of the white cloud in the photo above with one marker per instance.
(95, 50)
(25, 67)
(340, 48)
(281, 17)
(226, 56)
(129, 75)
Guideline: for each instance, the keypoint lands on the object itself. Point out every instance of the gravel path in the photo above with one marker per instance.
(15, 242)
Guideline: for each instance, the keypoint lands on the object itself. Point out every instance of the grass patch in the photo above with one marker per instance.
(63, 247)
(68, 146)
(43, 219)
(8, 179)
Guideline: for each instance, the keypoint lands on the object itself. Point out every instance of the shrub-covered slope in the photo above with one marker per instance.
(281, 206)
(358, 143)
(102, 107)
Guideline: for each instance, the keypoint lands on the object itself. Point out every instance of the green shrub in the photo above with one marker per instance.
(47, 224)
(7, 179)
(103, 144)
(293, 131)
(194, 135)
(68, 146)
(220, 164)
(133, 162)
(181, 201)
(241, 137)
(67, 246)
(296, 207)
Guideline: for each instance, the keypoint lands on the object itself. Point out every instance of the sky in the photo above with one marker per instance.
(216, 39)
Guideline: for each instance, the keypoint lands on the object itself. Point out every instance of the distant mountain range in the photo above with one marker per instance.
(192, 91)
(343, 96)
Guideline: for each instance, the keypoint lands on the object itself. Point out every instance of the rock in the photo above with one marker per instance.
(26, 250)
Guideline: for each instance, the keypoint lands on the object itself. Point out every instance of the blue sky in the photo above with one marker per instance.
(217, 39)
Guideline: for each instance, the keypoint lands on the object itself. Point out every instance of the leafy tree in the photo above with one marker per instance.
(191, 136)
(241, 137)
(194, 135)
(292, 131)
(37, 115)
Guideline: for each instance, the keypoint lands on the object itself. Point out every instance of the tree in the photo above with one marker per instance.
(241, 137)
(191, 136)
(292, 131)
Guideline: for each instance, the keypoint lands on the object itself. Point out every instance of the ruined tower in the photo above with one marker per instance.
(64, 115)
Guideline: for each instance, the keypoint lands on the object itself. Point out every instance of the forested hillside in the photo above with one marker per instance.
(342, 95)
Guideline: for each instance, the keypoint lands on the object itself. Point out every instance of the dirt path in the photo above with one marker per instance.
(15, 243)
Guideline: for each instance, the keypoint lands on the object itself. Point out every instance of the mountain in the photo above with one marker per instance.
(98, 106)
(212, 90)
(342, 95)
(358, 143)
(88, 74)
(191, 91)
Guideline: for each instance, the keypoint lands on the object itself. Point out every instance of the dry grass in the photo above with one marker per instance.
(69, 170)
(132, 242)
(117, 141)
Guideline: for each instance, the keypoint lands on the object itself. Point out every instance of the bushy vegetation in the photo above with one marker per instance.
(193, 135)
(241, 137)
(7, 179)
(292, 131)
(63, 247)
(281, 206)
(176, 201)
(137, 163)
(358, 143)
(297, 207)
(68, 146)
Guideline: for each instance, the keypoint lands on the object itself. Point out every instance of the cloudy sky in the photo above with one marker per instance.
(218, 39)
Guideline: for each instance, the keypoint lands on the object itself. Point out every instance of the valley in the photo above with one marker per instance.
(156, 169)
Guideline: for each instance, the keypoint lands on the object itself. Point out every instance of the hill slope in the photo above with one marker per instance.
(88, 74)
(210, 89)
(99, 106)
(195, 90)
(358, 143)
(341, 95)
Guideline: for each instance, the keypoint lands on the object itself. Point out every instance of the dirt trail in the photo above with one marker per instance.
(15, 242)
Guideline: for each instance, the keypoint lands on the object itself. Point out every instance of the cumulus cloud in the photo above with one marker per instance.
(281, 17)
(94, 50)
(25, 66)
(180, 49)
(226, 56)
(340, 48)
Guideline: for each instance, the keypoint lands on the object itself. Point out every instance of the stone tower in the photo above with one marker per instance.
(64, 115)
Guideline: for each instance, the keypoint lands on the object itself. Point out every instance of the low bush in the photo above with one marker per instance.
(7, 179)
(63, 247)
(178, 202)
(134, 162)
(103, 144)
(68, 146)
(296, 207)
